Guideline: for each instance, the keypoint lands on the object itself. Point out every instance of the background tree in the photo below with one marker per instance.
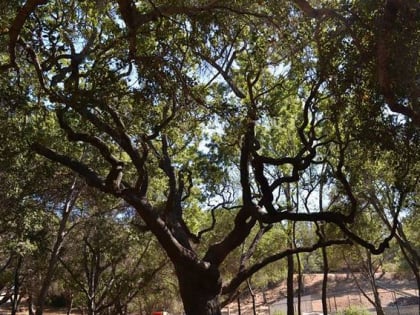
(106, 275)
(366, 269)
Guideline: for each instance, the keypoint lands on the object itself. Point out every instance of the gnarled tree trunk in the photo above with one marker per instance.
(200, 289)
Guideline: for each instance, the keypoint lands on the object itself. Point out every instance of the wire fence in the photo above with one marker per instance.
(394, 302)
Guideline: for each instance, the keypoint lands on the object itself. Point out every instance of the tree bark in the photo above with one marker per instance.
(372, 280)
(30, 305)
(290, 269)
(200, 288)
(325, 281)
(254, 307)
(70, 305)
(16, 286)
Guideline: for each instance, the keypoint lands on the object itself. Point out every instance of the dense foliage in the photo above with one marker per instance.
(219, 136)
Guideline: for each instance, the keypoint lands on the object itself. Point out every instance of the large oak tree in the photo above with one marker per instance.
(184, 103)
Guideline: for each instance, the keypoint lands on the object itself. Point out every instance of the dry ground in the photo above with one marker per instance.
(342, 292)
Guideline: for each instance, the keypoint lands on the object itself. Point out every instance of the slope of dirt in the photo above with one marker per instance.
(342, 292)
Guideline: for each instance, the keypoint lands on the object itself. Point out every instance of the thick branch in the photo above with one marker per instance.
(158, 128)
(76, 60)
(336, 218)
(301, 161)
(395, 227)
(92, 178)
(173, 209)
(383, 55)
(117, 135)
(36, 64)
(383, 49)
(244, 222)
(93, 140)
(134, 19)
(311, 12)
(346, 185)
(18, 23)
(374, 250)
(246, 150)
(176, 249)
(114, 179)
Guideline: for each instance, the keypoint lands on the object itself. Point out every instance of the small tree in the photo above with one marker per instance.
(105, 275)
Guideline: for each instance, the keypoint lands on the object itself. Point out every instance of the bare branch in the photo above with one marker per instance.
(347, 187)
(213, 222)
(36, 64)
(374, 250)
(225, 73)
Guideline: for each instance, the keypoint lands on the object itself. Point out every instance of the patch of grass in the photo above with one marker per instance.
(354, 311)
